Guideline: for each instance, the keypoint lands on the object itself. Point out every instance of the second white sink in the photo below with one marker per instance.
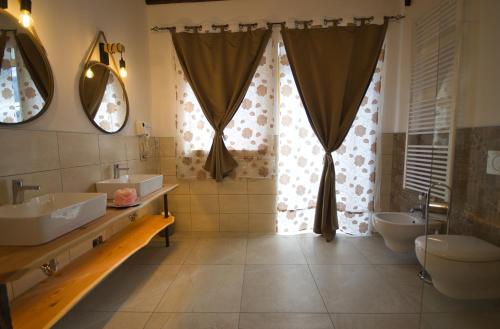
(144, 184)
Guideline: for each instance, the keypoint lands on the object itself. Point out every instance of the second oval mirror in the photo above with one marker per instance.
(103, 97)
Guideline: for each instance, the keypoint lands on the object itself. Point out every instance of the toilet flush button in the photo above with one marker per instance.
(493, 166)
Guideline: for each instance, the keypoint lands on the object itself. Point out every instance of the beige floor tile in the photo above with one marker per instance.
(103, 320)
(461, 321)
(374, 249)
(338, 251)
(134, 288)
(157, 253)
(204, 288)
(368, 289)
(274, 250)
(280, 288)
(193, 321)
(218, 251)
(284, 321)
(378, 321)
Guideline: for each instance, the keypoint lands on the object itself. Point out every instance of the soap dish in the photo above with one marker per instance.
(113, 205)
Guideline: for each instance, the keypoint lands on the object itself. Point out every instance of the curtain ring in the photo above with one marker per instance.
(249, 26)
(306, 24)
(334, 21)
(363, 20)
(222, 28)
(193, 28)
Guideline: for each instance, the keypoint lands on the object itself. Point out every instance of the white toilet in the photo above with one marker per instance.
(399, 229)
(462, 267)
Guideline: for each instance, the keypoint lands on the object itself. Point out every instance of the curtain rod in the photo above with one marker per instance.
(270, 25)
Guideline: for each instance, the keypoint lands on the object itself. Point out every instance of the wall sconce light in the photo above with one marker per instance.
(123, 70)
(3, 4)
(112, 48)
(106, 56)
(25, 16)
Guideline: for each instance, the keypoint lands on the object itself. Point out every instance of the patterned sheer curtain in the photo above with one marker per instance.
(111, 114)
(249, 136)
(272, 107)
(300, 160)
(20, 97)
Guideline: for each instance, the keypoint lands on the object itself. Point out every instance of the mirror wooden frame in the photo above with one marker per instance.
(90, 63)
(38, 44)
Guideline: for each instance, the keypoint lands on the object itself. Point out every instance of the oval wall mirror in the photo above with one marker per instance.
(26, 80)
(103, 96)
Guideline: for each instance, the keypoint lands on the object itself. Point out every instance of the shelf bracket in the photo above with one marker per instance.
(5, 318)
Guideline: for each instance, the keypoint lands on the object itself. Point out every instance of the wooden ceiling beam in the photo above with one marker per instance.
(163, 2)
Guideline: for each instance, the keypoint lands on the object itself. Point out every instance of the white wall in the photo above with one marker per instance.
(479, 84)
(67, 29)
(235, 11)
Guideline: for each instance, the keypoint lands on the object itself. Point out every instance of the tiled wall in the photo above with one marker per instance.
(69, 162)
(386, 172)
(73, 162)
(476, 194)
(234, 205)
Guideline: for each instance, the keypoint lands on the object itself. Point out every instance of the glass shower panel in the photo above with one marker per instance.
(460, 147)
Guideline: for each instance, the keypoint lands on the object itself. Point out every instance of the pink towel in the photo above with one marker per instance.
(125, 196)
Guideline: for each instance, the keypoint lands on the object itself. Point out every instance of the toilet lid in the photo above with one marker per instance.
(459, 248)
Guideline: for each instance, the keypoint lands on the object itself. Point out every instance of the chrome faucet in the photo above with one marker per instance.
(422, 208)
(448, 206)
(117, 170)
(18, 189)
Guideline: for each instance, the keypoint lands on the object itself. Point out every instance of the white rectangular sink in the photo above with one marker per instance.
(144, 184)
(47, 217)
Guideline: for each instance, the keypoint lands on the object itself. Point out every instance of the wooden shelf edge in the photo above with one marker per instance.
(46, 303)
(15, 261)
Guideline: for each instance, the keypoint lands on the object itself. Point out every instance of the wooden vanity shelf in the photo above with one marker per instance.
(46, 303)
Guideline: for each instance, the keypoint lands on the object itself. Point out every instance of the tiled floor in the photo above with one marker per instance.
(240, 281)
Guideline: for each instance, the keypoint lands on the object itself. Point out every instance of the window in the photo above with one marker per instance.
(271, 136)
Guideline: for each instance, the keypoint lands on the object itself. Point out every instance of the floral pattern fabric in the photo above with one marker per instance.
(249, 136)
(271, 135)
(113, 109)
(19, 97)
(300, 160)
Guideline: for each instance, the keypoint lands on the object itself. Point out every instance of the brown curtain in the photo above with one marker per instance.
(3, 41)
(34, 62)
(92, 90)
(332, 68)
(219, 67)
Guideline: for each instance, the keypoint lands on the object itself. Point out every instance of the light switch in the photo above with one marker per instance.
(493, 166)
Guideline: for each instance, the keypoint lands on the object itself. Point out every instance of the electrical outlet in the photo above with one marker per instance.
(493, 164)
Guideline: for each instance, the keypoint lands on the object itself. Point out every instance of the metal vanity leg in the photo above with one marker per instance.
(5, 319)
(165, 210)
